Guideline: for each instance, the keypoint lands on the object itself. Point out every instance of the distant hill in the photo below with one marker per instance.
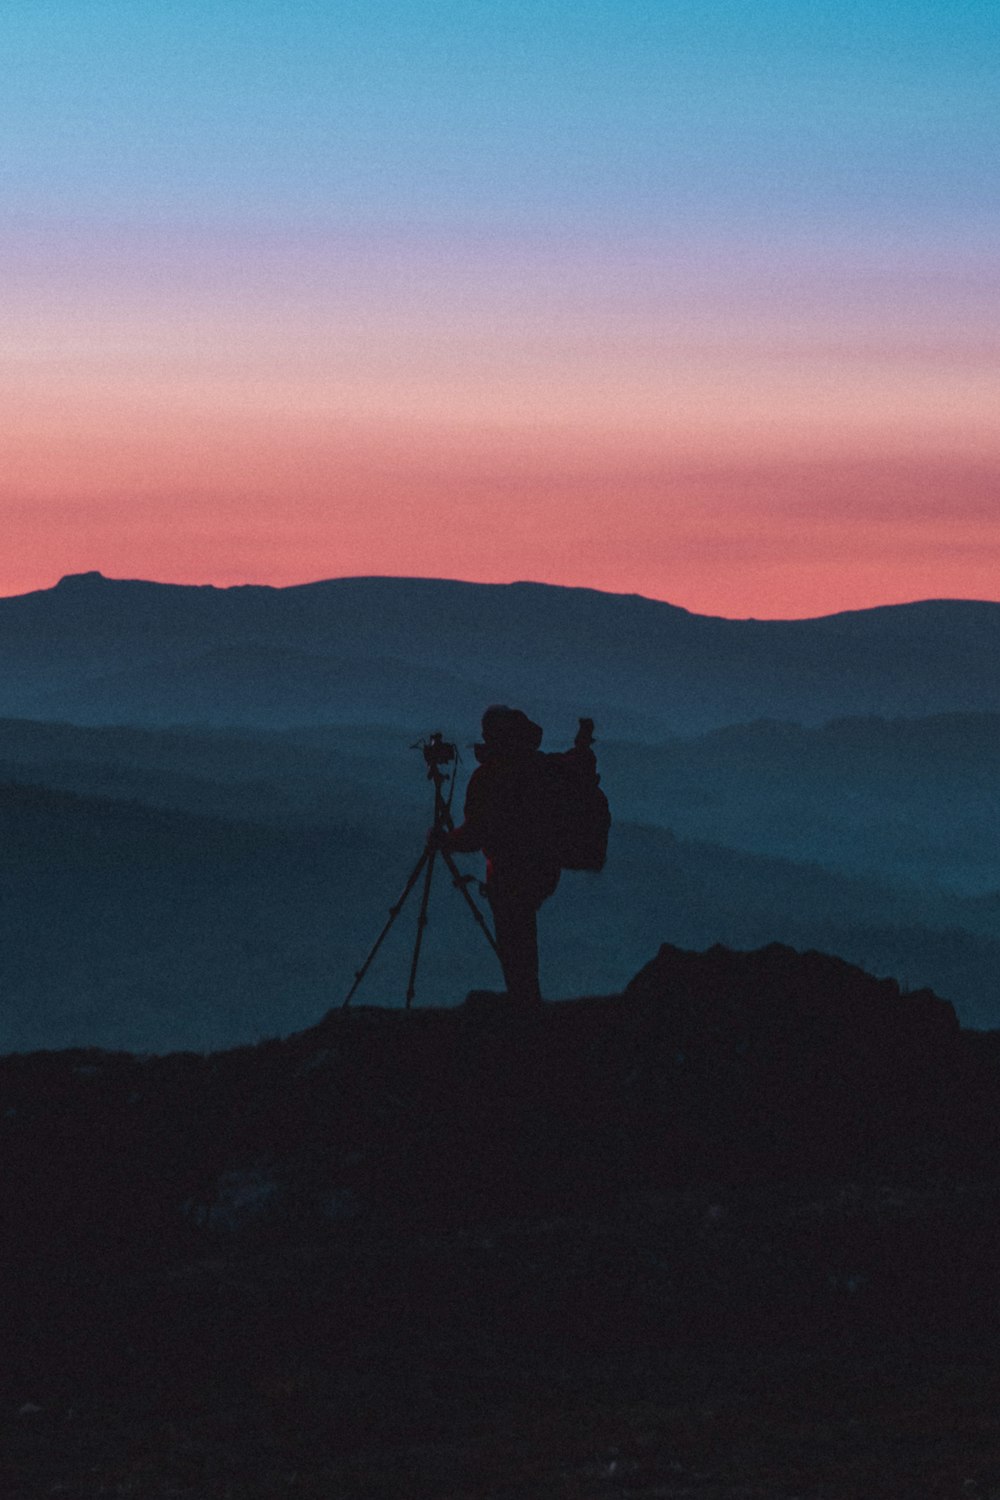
(432, 653)
(318, 778)
(910, 799)
(131, 927)
(916, 800)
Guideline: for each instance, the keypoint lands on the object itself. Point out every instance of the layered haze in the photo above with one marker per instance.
(209, 798)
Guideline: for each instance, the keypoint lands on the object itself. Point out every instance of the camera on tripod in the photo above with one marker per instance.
(437, 751)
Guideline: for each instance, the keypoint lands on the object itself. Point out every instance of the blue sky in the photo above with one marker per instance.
(693, 285)
(547, 112)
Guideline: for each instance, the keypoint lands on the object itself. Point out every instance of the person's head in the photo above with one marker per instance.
(509, 731)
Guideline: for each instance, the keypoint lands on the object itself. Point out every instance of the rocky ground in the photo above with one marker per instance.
(731, 1234)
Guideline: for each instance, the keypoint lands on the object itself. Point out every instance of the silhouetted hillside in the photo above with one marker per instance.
(95, 650)
(677, 1240)
(128, 926)
(262, 684)
(910, 799)
(917, 799)
(718, 1066)
(317, 779)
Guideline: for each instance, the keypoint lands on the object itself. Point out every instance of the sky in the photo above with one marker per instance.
(696, 299)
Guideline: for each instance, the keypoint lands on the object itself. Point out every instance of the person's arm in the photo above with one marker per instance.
(468, 837)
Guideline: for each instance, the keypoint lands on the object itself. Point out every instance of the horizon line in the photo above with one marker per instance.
(96, 574)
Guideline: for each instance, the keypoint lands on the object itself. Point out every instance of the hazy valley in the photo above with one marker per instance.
(220, 880)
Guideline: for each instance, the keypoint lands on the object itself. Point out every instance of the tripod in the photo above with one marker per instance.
(437, 754)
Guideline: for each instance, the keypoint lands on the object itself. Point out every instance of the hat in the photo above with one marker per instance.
(510, 729)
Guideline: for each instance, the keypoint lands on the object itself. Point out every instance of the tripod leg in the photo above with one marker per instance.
(411, 988)
(459, 881)
(394, 912)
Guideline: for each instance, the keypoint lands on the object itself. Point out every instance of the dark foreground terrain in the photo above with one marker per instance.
(731, 1234)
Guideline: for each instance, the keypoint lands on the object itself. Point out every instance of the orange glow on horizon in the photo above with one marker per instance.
(728, 439)
(729, 534)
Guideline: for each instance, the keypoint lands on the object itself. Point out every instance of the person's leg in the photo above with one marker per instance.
(517, 941)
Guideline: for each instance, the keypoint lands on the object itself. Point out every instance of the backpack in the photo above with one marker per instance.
(579, 818)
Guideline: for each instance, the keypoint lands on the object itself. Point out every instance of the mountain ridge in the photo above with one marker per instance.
(94, 578)
(642, 667)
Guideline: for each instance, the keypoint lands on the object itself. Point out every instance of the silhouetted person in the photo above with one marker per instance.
(507, 816)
